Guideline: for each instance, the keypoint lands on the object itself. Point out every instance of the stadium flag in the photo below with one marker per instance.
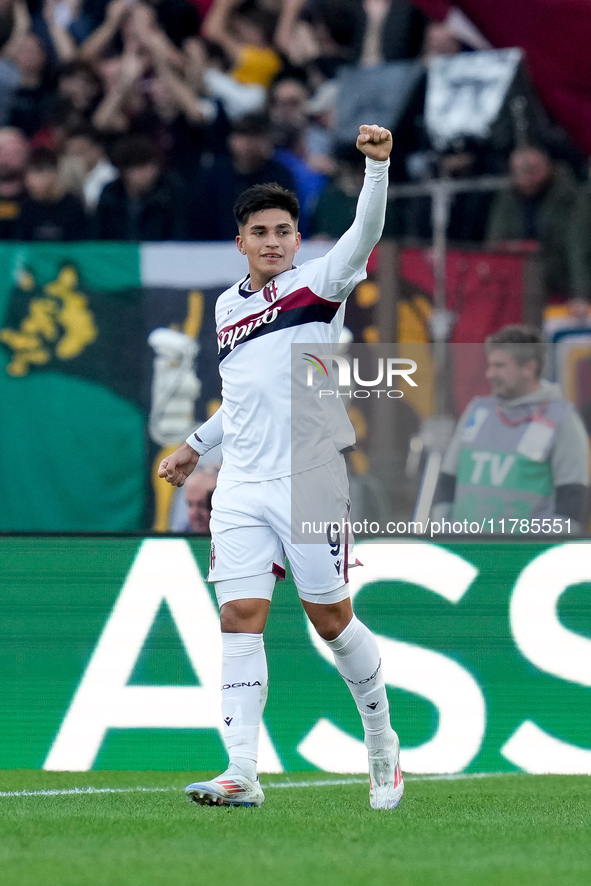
(485, 291)
(83, 379)
(108, 360)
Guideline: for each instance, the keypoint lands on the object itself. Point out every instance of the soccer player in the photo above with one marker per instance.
(257, 320)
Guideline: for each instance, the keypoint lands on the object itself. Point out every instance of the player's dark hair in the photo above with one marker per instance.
(267, 196)
(523, 343)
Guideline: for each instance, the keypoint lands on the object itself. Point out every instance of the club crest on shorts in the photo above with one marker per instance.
(270, 292)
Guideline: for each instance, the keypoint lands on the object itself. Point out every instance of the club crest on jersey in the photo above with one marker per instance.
(270, 293)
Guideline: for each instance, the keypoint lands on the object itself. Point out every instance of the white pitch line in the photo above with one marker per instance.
(455, 776)
(320, 783)
(64, 792)
(461, 776)
(329, 782)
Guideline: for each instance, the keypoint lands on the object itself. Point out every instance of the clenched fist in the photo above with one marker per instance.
(176, 467)
(375, 142)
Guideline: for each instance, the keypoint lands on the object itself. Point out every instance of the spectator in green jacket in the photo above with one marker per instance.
(546, 204)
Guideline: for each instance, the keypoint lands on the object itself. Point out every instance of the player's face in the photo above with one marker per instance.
(508, 378)
(269, 240)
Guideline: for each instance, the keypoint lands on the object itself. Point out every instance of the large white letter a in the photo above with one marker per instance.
(164, 569)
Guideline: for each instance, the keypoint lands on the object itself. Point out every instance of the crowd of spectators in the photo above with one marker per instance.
(144, 119)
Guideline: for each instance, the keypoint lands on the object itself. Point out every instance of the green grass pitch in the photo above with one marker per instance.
(499, 830)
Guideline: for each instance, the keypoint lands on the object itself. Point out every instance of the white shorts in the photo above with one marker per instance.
(251, 529)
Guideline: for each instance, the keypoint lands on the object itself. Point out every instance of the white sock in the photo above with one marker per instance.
(244, 693)
(357, 658)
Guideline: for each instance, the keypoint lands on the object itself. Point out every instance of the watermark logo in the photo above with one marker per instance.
(315, 363)
(388, 371)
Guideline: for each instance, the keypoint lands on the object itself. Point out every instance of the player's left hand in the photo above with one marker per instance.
(375, 142)
(176, 467)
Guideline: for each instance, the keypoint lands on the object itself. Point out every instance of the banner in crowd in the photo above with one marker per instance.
(555, 37)
(107, 361)
(110, 658)
(466, 94)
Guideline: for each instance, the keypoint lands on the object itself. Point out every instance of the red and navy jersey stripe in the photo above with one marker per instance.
(295, 309)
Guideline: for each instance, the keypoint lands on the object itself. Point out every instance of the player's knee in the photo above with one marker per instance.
(330, 628)
(244, 616)
(329, 620)
(327, 631)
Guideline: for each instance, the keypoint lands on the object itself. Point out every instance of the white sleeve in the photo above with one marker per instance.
(345, 264)
(207, 435)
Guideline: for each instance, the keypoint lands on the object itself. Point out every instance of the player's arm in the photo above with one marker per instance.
(207, 435)
(348, 257)
(176, 467)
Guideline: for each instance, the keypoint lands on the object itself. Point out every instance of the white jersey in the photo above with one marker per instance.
(256, 331)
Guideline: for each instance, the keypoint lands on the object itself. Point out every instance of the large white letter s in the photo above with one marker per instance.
(441, 680)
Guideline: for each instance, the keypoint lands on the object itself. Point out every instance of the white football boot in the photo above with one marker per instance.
(226, 790)
(386, 785)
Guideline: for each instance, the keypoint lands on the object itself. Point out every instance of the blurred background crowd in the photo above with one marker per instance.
(142, 120)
